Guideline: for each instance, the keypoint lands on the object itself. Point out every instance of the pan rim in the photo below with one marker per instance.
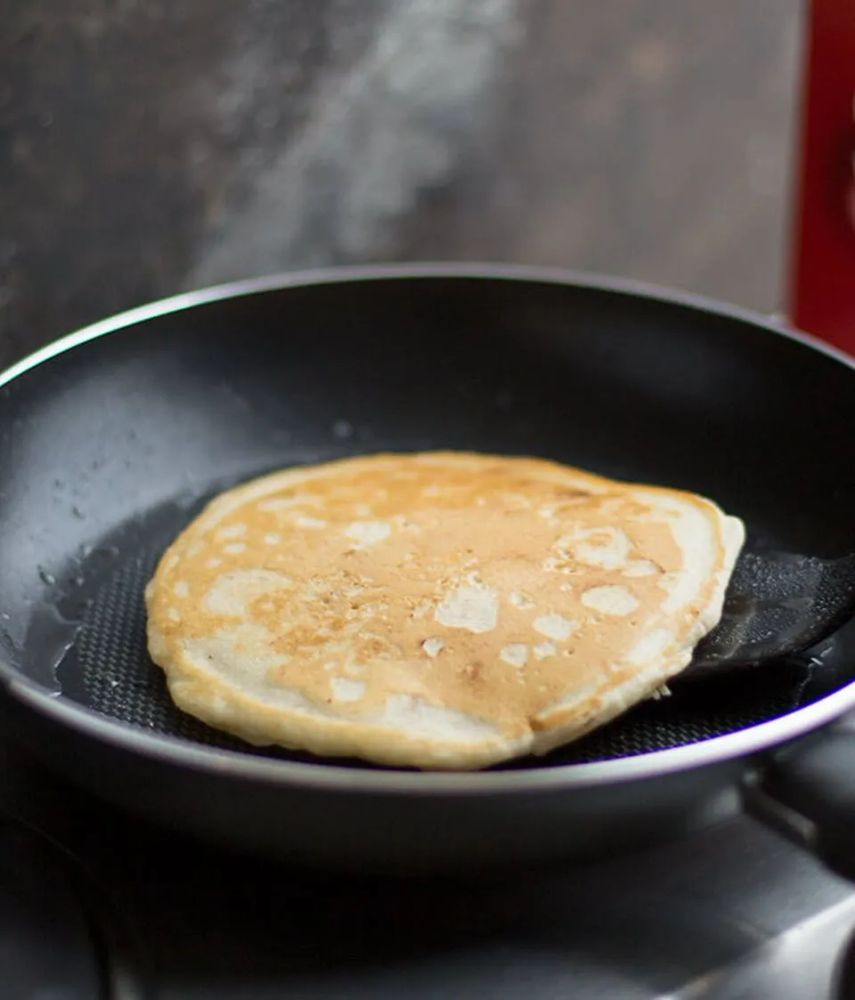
(380, 272)
(234, 764)
(745, 743)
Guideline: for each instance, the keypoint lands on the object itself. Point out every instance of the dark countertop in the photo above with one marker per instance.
(146, 148)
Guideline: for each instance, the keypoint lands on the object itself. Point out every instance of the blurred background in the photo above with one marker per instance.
(152, 146)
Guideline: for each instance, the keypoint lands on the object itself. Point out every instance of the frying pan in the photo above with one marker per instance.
(113, 438)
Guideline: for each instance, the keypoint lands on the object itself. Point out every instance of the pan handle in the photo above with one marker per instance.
(807, 792)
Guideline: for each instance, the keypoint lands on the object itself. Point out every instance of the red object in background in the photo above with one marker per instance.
(822, 294)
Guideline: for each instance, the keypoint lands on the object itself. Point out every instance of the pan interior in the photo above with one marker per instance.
(108, 449)
(99, 647)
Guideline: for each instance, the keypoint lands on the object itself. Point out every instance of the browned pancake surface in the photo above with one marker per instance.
(438, 610)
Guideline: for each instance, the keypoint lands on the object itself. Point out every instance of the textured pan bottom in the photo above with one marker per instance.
(107, 668)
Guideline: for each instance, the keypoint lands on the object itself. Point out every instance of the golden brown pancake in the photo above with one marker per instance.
(440, 610)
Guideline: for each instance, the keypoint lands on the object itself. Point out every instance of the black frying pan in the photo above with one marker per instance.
(113, 438)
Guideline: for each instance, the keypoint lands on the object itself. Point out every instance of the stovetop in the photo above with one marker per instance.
(96, 903)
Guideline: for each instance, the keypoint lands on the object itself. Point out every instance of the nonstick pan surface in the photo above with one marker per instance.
(111, 443)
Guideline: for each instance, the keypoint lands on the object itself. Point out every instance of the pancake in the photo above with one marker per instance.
(437, 610)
